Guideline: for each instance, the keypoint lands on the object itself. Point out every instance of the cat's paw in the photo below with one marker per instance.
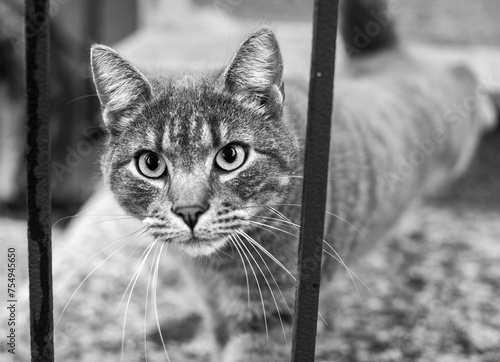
(256, 348)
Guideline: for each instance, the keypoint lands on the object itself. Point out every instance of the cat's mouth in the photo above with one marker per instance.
(197, 242)
(194, 245)
(197, 246)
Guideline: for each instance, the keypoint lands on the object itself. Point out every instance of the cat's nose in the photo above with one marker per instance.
(190, 214)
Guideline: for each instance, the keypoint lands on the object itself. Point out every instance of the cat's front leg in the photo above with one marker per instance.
(259, 347)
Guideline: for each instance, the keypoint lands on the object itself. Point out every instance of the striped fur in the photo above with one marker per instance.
(401, 128)
(188, 120)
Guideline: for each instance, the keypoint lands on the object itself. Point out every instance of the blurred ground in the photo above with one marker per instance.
(435, 286)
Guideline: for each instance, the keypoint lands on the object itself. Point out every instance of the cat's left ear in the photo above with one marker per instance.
(256, 69)
(120, 85)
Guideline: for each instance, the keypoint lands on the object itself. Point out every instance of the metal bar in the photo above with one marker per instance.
(319, 118)
(37, 21)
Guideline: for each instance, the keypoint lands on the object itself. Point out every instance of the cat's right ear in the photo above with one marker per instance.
(256, 69)
(120, 86)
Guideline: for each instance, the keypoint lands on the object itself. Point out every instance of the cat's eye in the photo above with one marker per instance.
(151, 165)
(231, 157)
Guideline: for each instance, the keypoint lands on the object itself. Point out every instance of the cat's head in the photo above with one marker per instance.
(197, 156)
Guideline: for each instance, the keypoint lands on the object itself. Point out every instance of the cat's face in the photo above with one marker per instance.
(196, 157)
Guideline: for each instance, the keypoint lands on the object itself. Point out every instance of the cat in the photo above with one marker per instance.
(211, 163)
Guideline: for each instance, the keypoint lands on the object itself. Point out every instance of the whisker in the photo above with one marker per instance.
(275, 204)
(274, 219)
(137, 247)
(252, 243)
(269, 286)
(85, 279)
(83, 211)
(216, 252)
(271, 227)
(135, 277)
(140, 231)
(155, 304)
(337, 177)
(275, 259)
(338, 258)
(348, 223)
(81, 97)
(244, 267)
(322, 319)
(141, 261)
(72, 232)
(298, 205)
(296, 226)
(349, 270)
(265, 251)
(226, 254)
(146, 311)
(240, 243)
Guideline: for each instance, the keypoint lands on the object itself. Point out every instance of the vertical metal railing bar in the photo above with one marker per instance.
(317, 148)
(38, 179)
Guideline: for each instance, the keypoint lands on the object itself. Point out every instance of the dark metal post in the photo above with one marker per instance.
(38, 177)
(315, 179)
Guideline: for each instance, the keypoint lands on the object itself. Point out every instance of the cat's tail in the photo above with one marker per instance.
(368, 26)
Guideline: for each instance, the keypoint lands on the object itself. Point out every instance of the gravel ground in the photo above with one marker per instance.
(434, 287)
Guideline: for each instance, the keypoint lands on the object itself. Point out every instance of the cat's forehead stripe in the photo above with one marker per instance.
(188, 132)
(152, 139)
(206, 135)
(223, 131)
(215, 134)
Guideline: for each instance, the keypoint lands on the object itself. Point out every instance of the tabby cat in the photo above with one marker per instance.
(212, 163)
